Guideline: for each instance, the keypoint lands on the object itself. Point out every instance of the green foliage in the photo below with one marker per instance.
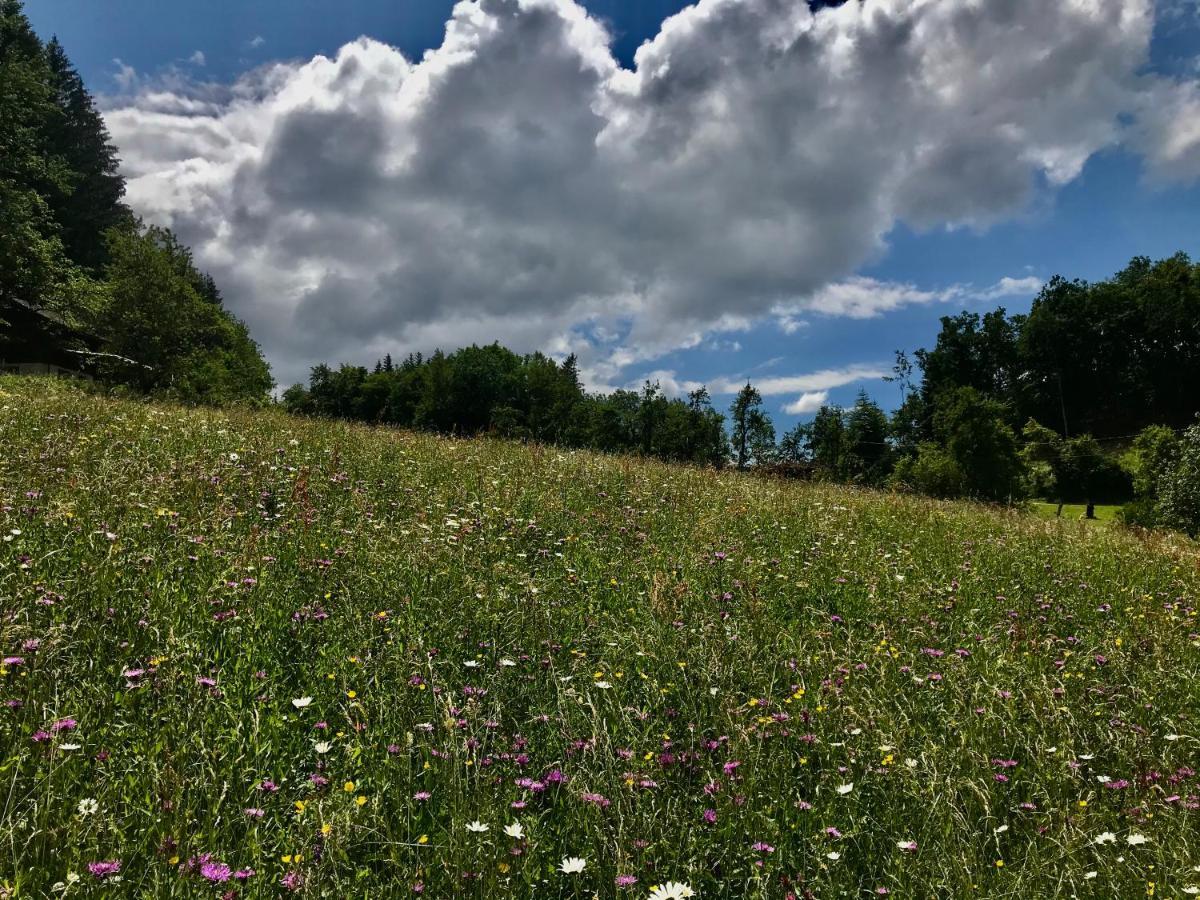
(69, 247)
(88, 203)
(931, 471)
(1102, 359)
(1154, 452)
(34, 268)
(598, 649)
(850, 445)
(1117, 355)
(752, 437)
(981, 354)
(1178, 505)
(1073, 470)
(1149, 461)
(491, 389)
(974, 432)
(162, 336)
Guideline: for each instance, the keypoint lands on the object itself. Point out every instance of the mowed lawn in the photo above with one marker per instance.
(251, 655)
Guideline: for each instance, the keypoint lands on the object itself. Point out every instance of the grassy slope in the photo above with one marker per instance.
(762, 644)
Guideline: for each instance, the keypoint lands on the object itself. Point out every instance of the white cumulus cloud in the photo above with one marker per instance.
(516, 183)
(807, 403)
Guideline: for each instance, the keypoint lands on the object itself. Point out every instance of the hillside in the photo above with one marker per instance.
(285, 655)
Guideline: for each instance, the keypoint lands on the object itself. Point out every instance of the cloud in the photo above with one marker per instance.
(517, 184)
(860, 297)
(126, 76)
(1009, 287)
(1168, 131)
(811, 382)
(257, 41)
(807, 403)
(197, 58)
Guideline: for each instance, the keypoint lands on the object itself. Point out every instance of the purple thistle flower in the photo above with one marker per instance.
(215, 872)
(105, 868)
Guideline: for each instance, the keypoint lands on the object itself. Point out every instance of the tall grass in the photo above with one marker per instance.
(753, 689)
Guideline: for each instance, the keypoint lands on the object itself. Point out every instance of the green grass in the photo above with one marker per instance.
(600, 649)
(1106, 515)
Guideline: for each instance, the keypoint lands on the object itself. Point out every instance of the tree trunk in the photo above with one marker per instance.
(1091, 510)
(1058, 514)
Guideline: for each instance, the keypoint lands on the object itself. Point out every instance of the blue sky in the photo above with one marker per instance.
(1088, 226)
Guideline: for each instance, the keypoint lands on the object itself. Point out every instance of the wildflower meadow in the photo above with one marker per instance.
(250, 655)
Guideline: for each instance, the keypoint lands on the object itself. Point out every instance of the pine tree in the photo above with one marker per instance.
(90, 201)
(33, 266)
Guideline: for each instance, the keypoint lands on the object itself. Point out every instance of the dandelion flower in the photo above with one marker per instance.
(572, 865)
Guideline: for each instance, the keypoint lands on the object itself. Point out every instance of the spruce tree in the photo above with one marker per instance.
(89, 202)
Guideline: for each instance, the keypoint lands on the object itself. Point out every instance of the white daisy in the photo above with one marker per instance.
(1136, 839)
(845, 788)
(301, 702)
(672, 890)
(572, 865)
(477, 827)
(515, 831)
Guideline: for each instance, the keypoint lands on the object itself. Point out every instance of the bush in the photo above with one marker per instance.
(932, 471)
(1179, 487)
(1139, 513)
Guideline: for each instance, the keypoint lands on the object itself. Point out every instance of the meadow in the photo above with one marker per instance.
(252, 655)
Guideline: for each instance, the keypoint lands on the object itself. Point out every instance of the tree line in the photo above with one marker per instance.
(1086, 399)
(531, 397)
(79, 273)
(1092, 397)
